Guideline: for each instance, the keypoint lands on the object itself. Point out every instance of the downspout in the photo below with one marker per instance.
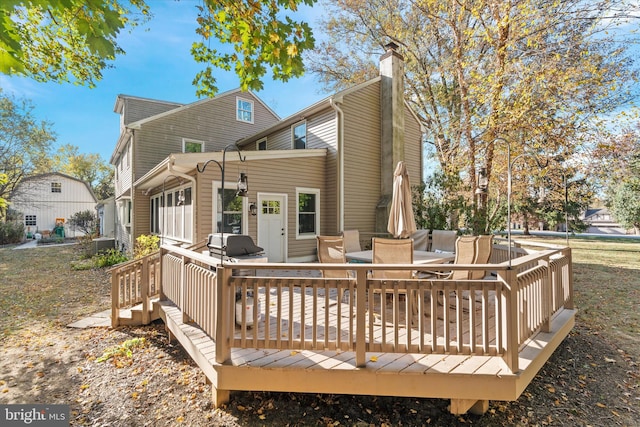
(193, 196)
(340, 148)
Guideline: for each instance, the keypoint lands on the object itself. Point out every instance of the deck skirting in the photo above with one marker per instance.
(458, 377)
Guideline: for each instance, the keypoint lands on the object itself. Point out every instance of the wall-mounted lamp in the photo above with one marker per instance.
(253, 209)
(180, 200)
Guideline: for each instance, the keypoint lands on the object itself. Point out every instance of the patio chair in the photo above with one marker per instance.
(392, 251)
(331, 250)
(351, 240)
(421, 240)
(484, 245)
(443, 240)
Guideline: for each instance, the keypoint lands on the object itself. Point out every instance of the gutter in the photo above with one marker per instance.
(340, 147)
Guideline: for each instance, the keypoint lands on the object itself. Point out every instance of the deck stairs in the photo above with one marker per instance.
(132, 316)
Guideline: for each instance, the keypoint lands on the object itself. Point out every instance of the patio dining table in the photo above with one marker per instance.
(419, 257)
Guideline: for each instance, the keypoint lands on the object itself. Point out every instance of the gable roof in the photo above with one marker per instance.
(314, 108)
(138, 124)
(58, 174)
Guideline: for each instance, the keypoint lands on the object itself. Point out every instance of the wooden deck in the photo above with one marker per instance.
(467, 341)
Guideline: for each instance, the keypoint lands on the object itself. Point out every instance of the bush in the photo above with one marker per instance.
(11, 232)
(109, 258)
(146, 245)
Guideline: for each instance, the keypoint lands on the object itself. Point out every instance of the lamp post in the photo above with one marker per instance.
(243, 188)
(510, 163)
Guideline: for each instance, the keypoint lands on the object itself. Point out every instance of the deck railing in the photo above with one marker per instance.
(291, 307)
(134, 282)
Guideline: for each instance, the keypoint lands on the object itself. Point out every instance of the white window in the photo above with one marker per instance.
(299, 136)
(56, 187)
(308, 218)
(175, 218)
(244, 110)
(30, 221)
(125, 212)
(261, 145)
(232, 214)
(191, 146)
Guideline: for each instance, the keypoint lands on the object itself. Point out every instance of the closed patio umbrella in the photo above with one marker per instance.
(402, 223)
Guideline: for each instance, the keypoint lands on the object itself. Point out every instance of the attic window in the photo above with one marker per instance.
(56, 187)
(244, 111)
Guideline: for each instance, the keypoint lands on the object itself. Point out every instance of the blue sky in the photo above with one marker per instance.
(158, 65)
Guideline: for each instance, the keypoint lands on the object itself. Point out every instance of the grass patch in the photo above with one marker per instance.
(607, 287)
(39, 285)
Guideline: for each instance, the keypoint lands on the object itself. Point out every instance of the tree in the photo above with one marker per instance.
(63, 41)
(75, 40)
(87, 167)
(85, 221)
(24, 144)
(626, 204)
(488, 78)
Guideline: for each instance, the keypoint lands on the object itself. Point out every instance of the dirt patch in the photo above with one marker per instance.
(587, 382)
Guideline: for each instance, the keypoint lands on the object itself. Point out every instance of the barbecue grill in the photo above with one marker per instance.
(239, 246)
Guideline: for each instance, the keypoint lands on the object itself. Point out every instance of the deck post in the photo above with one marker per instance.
(183, 284)
(223, 316)
(144, 290)
(158, 278)
(569, 303)
(361, 308)
(462, 406)
(547, 296)
(115, 299)
(510, 319)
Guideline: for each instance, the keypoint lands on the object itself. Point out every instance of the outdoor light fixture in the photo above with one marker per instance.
(253, 209)
(180, 200)
(483, 181)
(243, 187)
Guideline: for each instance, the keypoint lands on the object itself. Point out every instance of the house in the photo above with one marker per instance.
(322, 170)
(151, 130)
(106, 212)
(49, 200)
(601, 221)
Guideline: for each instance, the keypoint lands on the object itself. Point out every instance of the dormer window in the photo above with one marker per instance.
(56, 187)
(244, 110)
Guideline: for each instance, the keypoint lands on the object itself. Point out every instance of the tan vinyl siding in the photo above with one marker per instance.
(362, 158)
(141, 221)
(280, 176)
(212, 121)
(137, 108)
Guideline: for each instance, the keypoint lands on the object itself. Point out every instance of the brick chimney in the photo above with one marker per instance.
(392, 127)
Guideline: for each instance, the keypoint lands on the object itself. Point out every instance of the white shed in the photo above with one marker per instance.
(49, 200)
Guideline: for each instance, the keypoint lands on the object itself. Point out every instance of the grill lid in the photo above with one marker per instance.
(236, 245)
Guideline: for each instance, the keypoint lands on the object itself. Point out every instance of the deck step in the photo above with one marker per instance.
(132, 316)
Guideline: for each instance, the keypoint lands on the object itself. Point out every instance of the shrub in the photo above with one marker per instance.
(11, 232)
(146, 245)
(109, 258)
